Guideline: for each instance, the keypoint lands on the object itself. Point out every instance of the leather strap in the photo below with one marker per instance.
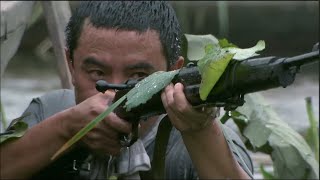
(159, 154)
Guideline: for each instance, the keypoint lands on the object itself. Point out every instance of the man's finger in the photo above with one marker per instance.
(118, 124)
(180, 99)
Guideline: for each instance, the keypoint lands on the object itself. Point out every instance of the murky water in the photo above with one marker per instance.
(18, 89)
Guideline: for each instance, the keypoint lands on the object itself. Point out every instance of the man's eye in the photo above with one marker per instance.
(138, 75)
(96, 74)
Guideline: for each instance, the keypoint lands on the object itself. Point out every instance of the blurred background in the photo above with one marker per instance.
(288, 27)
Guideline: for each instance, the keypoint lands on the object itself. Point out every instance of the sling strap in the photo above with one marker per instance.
(159, 155)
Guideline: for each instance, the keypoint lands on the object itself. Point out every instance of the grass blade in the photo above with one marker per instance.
(3, 118)
(313, 128)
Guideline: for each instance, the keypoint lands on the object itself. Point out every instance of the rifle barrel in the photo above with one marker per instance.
(297, 60)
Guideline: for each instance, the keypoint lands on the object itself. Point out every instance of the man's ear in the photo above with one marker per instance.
(70, 63)
(179, 64)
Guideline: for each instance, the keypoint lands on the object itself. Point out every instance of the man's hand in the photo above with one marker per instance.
(203, 138)
(181, 113)
(104, 138)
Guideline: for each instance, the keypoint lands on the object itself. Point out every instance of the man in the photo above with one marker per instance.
(115, 41)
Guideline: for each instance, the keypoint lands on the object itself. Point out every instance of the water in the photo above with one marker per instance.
(17, 91)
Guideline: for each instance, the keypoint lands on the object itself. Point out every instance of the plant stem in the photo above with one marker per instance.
(3, 117)
(313, 126)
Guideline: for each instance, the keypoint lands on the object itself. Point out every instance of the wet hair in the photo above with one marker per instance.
(136, 16)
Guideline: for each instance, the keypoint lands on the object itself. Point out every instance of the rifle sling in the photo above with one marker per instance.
(159, 154)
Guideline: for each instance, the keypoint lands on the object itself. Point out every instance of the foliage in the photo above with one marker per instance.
(147, 87)
(313, 132)
(211, 67)
(291, 155)
(16, 131)
(3, 117)
(242, 54)
(213, 57)
(266, 174)
(194, 45)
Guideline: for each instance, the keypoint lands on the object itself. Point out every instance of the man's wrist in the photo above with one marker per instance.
(212, 114)
(65, 120)
(202, 130)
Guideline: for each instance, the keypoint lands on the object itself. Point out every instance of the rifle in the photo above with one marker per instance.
(239, 78)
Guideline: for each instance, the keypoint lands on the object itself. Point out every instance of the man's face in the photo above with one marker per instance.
(114, 56)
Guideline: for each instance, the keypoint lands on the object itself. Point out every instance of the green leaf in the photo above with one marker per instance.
(88, 127)
(292, 157)
(241, 54)
(19, 129)
(3, 116)
(313, 133)
(196, 45)
(265, 174)
(213, 57)
(113, 177)
(146, 88)
(240, 119)
(224, 43)
(211, 67)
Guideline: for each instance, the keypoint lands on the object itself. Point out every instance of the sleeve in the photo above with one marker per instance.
(32, 115)
(45, 106)
(179, 164)
(239, 151)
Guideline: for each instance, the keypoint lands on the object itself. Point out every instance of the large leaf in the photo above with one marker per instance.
(213, 57)
(224, 43)
(266, 174)
(149, 86)
(18, 130)
(241, 54)
(211, 67)
(292, 157)
(196, 45)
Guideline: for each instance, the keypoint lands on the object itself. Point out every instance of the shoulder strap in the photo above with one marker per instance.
(159, 154)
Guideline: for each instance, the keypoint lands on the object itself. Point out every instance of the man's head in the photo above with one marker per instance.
(118, 40)
(136, 16)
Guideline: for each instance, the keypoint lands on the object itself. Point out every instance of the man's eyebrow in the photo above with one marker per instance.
(93, 61)
(140, 65)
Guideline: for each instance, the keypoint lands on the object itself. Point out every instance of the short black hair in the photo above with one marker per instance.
(129, 15)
